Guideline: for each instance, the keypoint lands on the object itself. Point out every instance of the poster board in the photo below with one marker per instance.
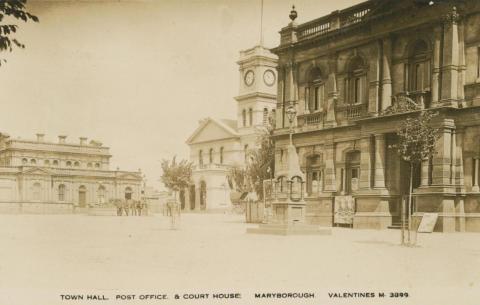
(428, 223)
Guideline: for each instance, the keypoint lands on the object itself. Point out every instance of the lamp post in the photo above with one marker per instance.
(291, 114)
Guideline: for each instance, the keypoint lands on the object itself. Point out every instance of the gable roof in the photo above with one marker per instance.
(227, 125)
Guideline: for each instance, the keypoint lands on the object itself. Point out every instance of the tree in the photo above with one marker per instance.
(9, 10)
(261, 161)
(417, 140)
(176, 175)
(237, 179)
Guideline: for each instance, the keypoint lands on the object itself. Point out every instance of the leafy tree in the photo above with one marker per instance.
(237, 179)
(9, 10)
(176, 175)
(417, 140)
(261, 161)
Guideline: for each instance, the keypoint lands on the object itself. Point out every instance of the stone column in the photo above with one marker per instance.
(279, 116)
(387, 78)
(459, 172)
(373, 82)
(330, 185)
(330, 120)
(475, 187)
(424, 173)
(443, 159)
(366, 154)
(436, 65)
(197, 197)
(380, 154)
(449, 95)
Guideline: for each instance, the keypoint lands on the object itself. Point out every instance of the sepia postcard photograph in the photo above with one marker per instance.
(240, 152)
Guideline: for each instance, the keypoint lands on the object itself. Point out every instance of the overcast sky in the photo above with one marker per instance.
(136, 75)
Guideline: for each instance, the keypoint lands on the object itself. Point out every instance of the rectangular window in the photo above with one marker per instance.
(354, 173)
(358, 91)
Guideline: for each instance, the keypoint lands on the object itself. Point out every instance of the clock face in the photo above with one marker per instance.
(249, 78)
(269, 77)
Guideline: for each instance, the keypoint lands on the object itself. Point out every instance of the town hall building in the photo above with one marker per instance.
(354, 76)
(40, 176)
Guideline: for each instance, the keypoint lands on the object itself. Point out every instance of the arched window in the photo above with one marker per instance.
(419, 67)
(244, 117)
(89, 164)
(97, 165)
(200, 157)
(315, 91)
(210, 156)
(46, 162)
(250, 116)
(82, 196)
(101, 194)
(69, 163)
(221, 155)
(265, 116)
(33, 161)
(76, 164)
(61, 192)
(24, 161)
(55, 162)
(355, 86)
(37, 191)
(314, 175)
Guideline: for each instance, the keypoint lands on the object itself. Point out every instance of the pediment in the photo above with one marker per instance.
(36, 171)
(129, 176)
(212, 130)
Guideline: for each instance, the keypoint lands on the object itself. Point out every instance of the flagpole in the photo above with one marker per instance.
(261, 24)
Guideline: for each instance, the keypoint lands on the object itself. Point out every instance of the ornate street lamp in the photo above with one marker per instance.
(291, 114)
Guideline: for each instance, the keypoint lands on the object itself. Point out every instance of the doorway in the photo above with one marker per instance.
(128, 193)
(352, 177)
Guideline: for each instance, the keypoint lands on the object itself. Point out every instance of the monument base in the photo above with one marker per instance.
(290, 229)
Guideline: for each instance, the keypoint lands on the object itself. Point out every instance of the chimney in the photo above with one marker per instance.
(83, 141)
(40, 137)
(61, 139)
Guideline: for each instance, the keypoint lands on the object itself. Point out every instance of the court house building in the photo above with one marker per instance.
(39, 176)
(220, 144)
(354, 76)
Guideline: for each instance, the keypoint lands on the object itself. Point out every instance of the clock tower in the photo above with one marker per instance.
(257, 89)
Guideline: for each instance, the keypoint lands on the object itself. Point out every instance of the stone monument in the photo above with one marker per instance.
(288, 205)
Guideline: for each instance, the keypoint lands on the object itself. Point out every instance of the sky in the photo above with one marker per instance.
(135, 75)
